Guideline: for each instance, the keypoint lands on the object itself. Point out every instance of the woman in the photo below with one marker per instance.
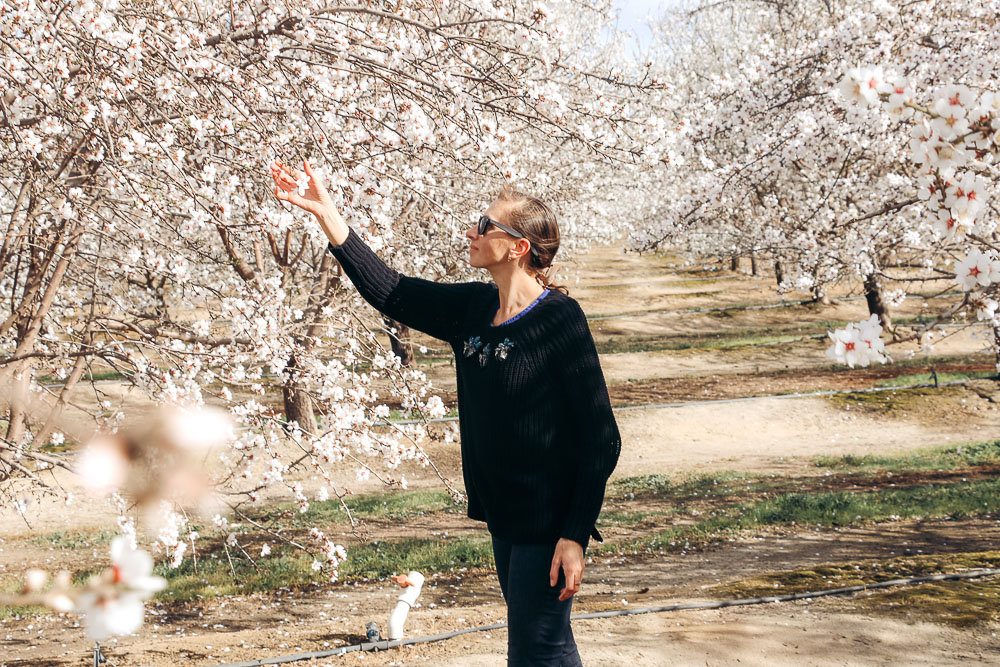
(538, 436)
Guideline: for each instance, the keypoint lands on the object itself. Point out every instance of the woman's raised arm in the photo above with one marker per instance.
(437, 309)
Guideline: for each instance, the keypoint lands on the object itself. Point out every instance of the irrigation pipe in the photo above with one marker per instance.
(716, 401)
(383, 645)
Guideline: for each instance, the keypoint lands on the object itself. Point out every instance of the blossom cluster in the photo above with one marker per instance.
(858, 344)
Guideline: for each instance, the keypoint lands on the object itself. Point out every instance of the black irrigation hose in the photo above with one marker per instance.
(383, 645)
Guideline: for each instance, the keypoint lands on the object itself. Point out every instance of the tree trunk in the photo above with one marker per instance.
(873, 295)
(734, 263)
(996, 349)
(819, 295)
(779, 273)
(753, 265)
(402, 347)
(298, 403)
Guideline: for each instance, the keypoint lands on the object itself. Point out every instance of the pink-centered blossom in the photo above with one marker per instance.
(113, 600)
(862, 85)
(976, 269)
(859, 343)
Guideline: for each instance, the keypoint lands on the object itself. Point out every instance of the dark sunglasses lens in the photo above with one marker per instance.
(484, 223)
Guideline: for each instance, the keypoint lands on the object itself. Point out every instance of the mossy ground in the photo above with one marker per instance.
(957, 603)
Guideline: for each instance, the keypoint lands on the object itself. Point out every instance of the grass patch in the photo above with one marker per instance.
(958, 604)
(88, 376)
(627, 519)
(923, 361)
(856, 573)
(928, 378)
(10, 584)
(379, 560)
(887, 402)
(74, 540)
(623, 344)
(822, 509)
(213, 575)
(709, 485)
(404, 504)
(937, 458)
(955, 603)
(641, 486)
(399, 415)
(391, 505)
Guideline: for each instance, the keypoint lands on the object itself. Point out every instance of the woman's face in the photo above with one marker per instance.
(491, 248)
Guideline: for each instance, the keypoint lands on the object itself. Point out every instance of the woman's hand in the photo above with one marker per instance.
(303, 189)
(568, 556)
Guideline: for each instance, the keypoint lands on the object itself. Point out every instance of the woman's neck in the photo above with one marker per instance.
(517, 291)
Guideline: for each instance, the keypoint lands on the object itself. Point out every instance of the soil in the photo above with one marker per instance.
(731, 420)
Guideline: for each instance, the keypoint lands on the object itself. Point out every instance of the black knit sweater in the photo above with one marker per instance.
(539, 439)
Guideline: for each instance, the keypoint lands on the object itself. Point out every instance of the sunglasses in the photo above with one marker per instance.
(485, 222)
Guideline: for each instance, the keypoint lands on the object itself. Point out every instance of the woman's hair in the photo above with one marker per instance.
(533, 218)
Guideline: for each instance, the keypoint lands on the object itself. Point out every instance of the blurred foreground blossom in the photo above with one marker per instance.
(159, 458)
(111, 601)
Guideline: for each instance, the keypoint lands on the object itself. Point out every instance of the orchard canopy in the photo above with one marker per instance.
(840, 141)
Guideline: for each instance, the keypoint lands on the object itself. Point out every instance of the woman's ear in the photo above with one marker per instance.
(522, 247)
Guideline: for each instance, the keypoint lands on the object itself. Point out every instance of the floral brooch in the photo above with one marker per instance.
(475, 345)
(471, 346)
(503, 348)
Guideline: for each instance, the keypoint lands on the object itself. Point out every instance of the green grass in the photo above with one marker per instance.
(390, 505)
(378, 560)
(709, 485)
(87, 377)
(823, 509)
(623, 344)
(959, 604)
(938, 458)
(399, 415)
(928, 378)
(921, 361)
(954, 603)
(11, 584)
(626, 519)
(641, 486)
(886, 402)
(74, 539)
(287, 569)
(856, 573)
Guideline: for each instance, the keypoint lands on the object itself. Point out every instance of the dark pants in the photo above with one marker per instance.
(538, 623)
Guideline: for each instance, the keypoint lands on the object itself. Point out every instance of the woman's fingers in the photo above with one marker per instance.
(572, 583)
(554, 570)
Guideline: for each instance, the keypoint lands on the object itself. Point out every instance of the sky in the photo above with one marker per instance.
(632, 16)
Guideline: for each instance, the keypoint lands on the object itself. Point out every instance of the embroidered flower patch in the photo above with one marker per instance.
(484, 355)
(503, 348)
(471, 346)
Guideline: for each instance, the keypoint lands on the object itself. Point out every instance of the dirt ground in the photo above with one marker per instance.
(731, 420)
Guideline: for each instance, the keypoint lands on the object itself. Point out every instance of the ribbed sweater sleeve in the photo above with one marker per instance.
(598, 441)
(437, 309)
